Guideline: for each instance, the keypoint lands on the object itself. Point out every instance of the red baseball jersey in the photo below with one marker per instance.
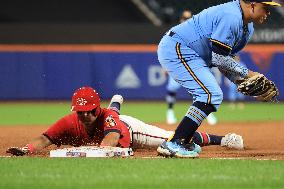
(70, 131)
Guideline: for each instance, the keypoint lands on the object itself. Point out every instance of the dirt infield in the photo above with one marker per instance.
(263, 140)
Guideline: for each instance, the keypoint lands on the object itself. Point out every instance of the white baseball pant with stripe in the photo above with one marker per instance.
(144, 135)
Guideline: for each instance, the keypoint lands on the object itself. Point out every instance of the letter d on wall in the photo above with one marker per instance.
(156, 76)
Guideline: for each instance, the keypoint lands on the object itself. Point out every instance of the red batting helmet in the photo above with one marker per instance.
(85, 99)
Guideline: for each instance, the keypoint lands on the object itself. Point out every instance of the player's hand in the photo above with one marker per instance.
(16, 151)
(260, 87)
(252, 74)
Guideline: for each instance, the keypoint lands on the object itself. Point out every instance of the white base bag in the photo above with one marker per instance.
(92, 151)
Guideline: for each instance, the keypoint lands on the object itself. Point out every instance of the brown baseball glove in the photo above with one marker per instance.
(260, 87)
(16, 151)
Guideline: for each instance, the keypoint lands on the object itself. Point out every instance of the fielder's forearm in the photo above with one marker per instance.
(229, 67)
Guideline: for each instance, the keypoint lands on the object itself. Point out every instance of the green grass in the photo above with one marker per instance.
(156, 111)
(44, 113)
(32, 113)
(140, 173)
(85, 173)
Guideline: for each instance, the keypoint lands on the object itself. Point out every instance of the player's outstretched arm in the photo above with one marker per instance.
(249, 83)
(111, 139)
(34, 146)
(229, 67)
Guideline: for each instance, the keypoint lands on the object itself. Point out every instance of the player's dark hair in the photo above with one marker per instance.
(247, 1)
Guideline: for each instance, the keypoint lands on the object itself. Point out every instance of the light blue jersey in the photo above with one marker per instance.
(222, 24)
(186, 50)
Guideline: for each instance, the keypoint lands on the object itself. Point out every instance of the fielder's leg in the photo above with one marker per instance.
(192, 72)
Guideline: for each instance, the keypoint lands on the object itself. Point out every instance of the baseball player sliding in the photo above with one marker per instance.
(92, 125)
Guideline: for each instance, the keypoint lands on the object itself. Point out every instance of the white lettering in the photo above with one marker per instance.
(127, 78)
(156, 76)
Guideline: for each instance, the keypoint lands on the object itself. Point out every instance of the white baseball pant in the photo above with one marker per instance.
(144, 135)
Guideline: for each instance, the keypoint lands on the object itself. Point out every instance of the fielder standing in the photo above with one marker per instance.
(173, 87)
(210, 38)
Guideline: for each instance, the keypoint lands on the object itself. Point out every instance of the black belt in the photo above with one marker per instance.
(171, 33)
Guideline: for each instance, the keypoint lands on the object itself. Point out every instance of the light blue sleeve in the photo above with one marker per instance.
(225, 30)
